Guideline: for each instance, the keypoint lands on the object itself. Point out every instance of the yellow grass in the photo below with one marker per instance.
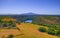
(27, 30)
(6, 32)
(8, 19)
(30, 31)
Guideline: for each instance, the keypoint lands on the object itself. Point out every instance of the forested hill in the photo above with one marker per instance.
(33, 16)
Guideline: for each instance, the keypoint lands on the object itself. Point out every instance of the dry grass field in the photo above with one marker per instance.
(27, 30)
(31, 31)
(6, 32)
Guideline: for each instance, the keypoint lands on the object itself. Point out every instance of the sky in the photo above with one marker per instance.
(26, 6)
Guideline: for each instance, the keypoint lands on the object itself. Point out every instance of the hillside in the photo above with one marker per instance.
(25, 30)
(47, 19)
(52, 22)
(12, 26)
(31, 31)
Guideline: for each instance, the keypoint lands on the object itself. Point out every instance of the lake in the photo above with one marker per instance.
(28, 21)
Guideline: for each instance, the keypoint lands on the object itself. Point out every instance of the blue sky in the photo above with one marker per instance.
(25, 6)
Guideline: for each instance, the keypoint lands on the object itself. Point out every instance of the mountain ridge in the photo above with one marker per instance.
(30, 13)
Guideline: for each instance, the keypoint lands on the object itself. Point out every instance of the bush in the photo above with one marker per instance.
(10, 36)
(9, 27)
(51, 31)
(42, 29)
(58, 33)
(13, 25)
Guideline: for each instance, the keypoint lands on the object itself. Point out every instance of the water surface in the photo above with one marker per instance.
(28, 21)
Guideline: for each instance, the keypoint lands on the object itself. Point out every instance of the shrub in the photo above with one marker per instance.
(13, 25)
(51, 31)
(58, 33)
(9, 27)
(10, 36)
(42, 29)
(10, 21)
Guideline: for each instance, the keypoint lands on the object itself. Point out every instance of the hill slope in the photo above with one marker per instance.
(30, 31)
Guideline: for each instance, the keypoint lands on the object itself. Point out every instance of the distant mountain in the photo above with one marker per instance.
(30, 13)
